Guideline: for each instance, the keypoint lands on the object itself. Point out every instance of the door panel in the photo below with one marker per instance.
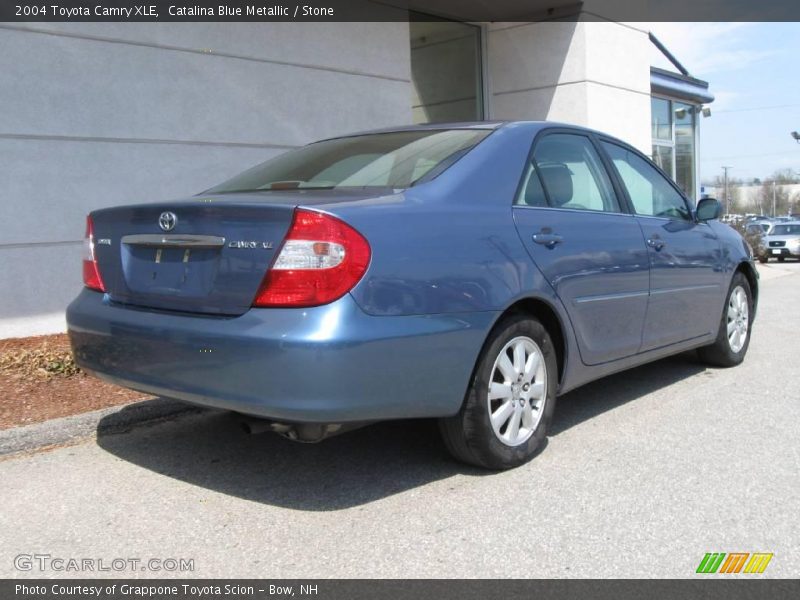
(685, 281)
(686, 277)
(599, 270)
(569, 218)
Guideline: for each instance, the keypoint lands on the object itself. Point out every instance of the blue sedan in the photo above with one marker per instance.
(470, 273)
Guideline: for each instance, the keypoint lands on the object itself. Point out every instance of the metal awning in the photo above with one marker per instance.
(682, 87)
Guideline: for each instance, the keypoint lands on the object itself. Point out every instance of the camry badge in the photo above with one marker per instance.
(167, 221)
(249, 244)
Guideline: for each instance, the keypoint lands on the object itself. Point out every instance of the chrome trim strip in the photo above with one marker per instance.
(158, 240)
(624, 295)
(573, 210)
(683, 289)
(620, 296)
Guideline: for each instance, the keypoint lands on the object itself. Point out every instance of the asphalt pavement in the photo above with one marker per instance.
(644, 473)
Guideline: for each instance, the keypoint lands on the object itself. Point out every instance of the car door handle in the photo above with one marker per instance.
(656, 244)
(548, 239)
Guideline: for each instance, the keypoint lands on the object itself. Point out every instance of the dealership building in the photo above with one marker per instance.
(101, 114)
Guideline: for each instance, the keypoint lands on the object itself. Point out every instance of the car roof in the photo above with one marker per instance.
(475, 125)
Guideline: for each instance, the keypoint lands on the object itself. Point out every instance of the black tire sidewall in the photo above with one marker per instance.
(479, 435)
(735, 358)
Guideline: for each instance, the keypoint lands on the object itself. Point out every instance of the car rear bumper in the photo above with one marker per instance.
(327, 364)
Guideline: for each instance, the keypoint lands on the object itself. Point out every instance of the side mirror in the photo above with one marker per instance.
(708, 209)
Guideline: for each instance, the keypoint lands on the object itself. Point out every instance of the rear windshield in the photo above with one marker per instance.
(785, 229)
(381, 160)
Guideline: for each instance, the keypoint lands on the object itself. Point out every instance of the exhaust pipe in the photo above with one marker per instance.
(298, 432)
(256, 426)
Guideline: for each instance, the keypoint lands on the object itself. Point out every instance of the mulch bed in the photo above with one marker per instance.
(39, 381)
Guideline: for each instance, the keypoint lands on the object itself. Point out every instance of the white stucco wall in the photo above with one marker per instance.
(595, 74)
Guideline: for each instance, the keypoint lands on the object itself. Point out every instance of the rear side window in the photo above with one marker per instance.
(650, 192)
(566, 172)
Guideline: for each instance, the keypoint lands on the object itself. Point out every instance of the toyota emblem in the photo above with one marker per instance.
(167, 221)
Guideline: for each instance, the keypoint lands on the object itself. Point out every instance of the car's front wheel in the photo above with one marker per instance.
(733, 336)
(508, 407)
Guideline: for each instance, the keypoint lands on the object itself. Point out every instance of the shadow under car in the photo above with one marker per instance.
(209, 448)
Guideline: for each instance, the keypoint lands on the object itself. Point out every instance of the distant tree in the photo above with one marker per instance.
(738, 203)
(783, 176)
(794, 204)
(782, 202)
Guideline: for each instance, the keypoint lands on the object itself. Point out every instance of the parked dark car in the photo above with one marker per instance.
(469, 273)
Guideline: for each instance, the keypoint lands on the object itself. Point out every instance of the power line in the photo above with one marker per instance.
(706, 159)
(773, 107)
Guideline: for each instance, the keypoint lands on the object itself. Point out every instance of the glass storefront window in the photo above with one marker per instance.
(661, 119)
(662, 156)
(446, 80)
(673, 126)
(684, 147)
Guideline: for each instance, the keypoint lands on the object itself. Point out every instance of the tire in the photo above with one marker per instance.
(469, 435)
(781, 258)
(724, 352)
(763, 259)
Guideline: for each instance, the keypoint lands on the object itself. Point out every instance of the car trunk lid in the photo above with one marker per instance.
(198, 256)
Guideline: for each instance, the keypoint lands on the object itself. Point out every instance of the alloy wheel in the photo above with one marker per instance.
(517, 391)
(738, 319)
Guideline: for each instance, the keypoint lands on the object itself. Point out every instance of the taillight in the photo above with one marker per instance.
(91, 274)
(322, 258)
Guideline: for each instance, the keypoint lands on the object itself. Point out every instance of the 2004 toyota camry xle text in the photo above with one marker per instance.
(469, 273)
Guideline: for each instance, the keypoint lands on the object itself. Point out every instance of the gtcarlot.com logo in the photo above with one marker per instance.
(734, 562)
(71, 564)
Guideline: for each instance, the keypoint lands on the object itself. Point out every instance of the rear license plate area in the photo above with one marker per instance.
(170, 271)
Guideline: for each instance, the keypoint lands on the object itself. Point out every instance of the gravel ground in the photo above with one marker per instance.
(28, 395)
(644, 473)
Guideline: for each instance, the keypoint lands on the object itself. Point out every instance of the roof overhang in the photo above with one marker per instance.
(681, 87)
(493, 10)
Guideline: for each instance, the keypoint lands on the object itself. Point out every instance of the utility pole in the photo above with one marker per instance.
(727, 198)
(773, 198)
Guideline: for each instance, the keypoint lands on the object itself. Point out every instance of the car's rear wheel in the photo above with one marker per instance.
(781, 258)
(763, 259)
(733, 337)
(503, 421)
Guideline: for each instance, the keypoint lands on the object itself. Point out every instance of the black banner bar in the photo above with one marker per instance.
(365, 589)
(396, 10)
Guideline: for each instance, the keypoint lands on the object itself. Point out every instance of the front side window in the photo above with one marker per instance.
(566, 172)
(650, 192)
(395, 160)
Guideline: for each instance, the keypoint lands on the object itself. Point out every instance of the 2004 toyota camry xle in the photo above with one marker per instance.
(469, 273)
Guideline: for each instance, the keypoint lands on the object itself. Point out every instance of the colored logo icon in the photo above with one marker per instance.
(734, 562)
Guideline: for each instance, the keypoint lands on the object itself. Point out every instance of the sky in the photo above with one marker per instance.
(754, 73)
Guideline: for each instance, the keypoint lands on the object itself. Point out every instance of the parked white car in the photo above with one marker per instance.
(782, 241)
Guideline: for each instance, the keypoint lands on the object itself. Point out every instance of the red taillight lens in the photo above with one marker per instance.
(91, 273)
(322, 258)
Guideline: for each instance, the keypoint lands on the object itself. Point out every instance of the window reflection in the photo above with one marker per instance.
(445, 71)
(673, 126)
(684, 147)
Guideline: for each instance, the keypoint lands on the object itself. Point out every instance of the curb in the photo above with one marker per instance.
(106, 421)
